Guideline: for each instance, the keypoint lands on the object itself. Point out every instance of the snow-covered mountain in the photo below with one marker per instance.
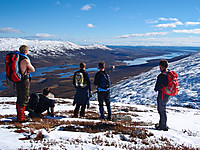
(46, 48)
(140, 89)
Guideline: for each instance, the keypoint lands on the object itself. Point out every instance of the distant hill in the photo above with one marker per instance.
(47, 48)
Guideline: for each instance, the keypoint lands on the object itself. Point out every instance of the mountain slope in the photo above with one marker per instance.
(140, 89)
(46, 48)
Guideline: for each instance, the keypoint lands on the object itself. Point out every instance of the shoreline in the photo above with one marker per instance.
(63, 87)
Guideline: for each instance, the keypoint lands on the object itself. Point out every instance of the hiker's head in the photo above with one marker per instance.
(101, 65)
(163, 64)
(46, 91)
(82, 65)
(23, 49)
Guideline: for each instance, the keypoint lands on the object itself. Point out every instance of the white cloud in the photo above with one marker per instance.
(193, 31)
(169, 25)
(192, 23)
(168, 19)
(58, 3)
(63, 5)
(163, 19)
(115, 8)
(90, 25)
(146, 34)
(151, 21)
(10, 30)
(87, 7)
(43, 35)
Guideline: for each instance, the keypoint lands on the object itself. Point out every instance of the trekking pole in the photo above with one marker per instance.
(4, 103)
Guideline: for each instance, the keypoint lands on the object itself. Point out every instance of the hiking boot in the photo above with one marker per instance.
(75, 116)
(20, 113)
(25, 120)
(51, 114)
(109, 119)
(159, 128)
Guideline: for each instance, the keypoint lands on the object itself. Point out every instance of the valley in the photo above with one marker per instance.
(62, 86)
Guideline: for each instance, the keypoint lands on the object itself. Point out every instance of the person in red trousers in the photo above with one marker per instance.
(23, 86)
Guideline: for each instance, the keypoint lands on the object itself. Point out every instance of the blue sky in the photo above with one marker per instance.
(109, 22)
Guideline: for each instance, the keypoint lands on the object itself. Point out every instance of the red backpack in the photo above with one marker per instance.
(172, 87)
(12, 66)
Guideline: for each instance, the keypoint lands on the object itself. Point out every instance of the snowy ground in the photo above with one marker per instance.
(140, 89)
(134, 102)
(183, 122)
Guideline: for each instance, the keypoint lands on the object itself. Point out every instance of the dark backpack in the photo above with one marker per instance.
(12, 66)
(79, 80)
(105, 81)
(33, 102)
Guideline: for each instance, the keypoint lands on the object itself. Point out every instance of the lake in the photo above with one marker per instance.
(144, 60)
(42, 72)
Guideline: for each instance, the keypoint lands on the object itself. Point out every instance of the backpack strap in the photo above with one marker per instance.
(21, 54)
(16, 52)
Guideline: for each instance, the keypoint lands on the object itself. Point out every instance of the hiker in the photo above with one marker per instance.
(102, 81)
(23, 86)
(162, 98)
(81, 82)
(39, 103)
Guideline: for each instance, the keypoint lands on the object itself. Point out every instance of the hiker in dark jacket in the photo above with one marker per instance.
(102, 81)
(81, 82)
(39, 103)
(162, 99)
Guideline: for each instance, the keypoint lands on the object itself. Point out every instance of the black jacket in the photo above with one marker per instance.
(98, 79)
(82, 94)
(162, 80)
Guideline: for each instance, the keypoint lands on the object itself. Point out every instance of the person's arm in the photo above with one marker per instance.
(96, 79)
(29, 66)
(110, 70)
(74, 80)
(158, 84)
(88, 82)
(26, 66)
(162, 80)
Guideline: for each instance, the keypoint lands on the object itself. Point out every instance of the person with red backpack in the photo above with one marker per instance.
(166, 85)
(23, 86)
(18, 67)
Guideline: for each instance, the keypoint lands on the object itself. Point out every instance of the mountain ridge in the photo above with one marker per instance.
(47, 48)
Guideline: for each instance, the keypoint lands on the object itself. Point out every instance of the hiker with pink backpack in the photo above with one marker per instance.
(166, 85)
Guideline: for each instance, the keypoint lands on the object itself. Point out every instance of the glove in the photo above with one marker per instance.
(90, 95)
(74, 103)
(88, 106)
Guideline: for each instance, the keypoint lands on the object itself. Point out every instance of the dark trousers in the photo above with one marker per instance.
(23, 88)
(162, 100)
(104, 96)
(82, 112)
